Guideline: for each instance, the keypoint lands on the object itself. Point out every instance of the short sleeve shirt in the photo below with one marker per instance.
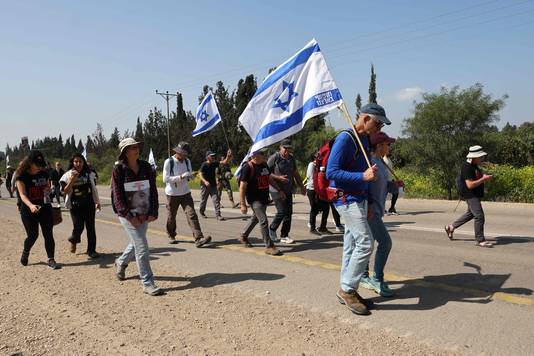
(257, 178)
(472, 172)
(208, 172)
(36, 185)
(283, 167)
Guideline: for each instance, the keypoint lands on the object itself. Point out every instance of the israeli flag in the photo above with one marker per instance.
(299, 89)
(151, 159)
(207, 115)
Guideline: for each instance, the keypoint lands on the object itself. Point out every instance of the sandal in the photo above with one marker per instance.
(485, 244)
(449, 232)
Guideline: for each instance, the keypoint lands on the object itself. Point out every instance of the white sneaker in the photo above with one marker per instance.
(273, 236)
(153, 290)
(309, 226)
(287, 240)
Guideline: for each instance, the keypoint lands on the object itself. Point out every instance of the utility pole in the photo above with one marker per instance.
(167, 96)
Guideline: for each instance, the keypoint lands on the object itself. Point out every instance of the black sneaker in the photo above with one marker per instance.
(93, 255)
(315, 232)
(203, 215)
(52, 264)
(24, 258)
(202, 241)
(325, 231)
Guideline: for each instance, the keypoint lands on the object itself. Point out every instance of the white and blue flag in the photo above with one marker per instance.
(297, 90)
(207, 115)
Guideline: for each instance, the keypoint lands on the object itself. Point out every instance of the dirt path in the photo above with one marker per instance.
(83, 309)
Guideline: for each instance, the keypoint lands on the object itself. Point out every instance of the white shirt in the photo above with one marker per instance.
(309, 176)
(68, 197)
(174, 184)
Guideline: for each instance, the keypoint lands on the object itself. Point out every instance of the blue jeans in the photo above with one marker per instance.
(357, 244)
(381, 236)
(137, 249)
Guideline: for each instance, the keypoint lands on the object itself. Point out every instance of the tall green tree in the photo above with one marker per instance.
(443, 127)
(372, 86)
(358, 104)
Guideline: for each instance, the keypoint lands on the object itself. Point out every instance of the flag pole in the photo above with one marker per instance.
(224, 132)
(345, 112)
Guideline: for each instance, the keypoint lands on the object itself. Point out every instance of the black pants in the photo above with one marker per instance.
(31, 224)
(84, 216)
(317, 205)
(335, 215)
(56, 193)
(284, 211)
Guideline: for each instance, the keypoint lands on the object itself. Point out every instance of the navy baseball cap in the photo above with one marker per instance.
(210, 153)
(376, 110)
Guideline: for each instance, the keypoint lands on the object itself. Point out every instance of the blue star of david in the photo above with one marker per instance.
(284, 105)
(204, 116)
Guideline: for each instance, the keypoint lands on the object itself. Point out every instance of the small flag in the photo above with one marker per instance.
(151, 159)
(207, 115)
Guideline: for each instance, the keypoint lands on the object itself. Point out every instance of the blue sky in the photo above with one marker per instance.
(67, 65)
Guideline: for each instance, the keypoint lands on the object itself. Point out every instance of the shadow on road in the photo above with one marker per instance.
(422, 212)
(210, 280)
(507, 240)
(435, 291)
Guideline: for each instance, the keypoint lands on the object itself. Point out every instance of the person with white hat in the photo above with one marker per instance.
(470, 185)
(134, 198)
(177, 173)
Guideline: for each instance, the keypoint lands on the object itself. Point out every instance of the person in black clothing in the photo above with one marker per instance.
(33, 190)
(208, 183)
(254, 189)
(82, 200)
(55, 176)
(471, 186)
(9, 178)
(224, 175)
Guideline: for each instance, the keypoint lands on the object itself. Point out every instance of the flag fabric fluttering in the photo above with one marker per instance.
(151, 159)
(84, 153)
(296, 91)
(207, 115)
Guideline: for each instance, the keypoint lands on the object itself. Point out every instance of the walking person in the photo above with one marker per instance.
(208, 183)
(9, 178)
(33, 191)
(282, 163)
(224, 175)
(316, 205)
(254, 189)
(177, 173)
(349, 178)
(81, 198)
(392, 187)
(378, 190)
(471, 188)
(55, 175)
(135, 201)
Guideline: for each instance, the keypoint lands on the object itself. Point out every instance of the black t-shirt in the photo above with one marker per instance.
(55, 176)
(37, 186)
(257, 179)
(472, 172)
(208, 172)
(82, 193)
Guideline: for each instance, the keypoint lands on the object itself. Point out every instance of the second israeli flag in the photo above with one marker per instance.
(207, 115)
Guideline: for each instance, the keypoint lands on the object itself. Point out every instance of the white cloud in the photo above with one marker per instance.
(408, 94)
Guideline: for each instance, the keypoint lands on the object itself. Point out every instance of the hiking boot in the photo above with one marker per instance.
(315, 232)
(245, 241)
(287, 240)
(273, 236)
(93, 255)
(273, 251)
(380, 288)
(172, 240)
(72, 247)
(324, 231)
(24, 258)
(52, 264)
(120, 271)
(353, 301)
(153, 290)
(202, 241)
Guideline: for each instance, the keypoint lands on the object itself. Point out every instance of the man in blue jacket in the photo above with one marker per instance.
(349, 177)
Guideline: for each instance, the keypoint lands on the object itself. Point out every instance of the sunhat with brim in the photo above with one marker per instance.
(183, 148)
(126, 143)
(476, 152)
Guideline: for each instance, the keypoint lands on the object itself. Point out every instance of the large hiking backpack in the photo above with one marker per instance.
(320, 182)
(461, 186)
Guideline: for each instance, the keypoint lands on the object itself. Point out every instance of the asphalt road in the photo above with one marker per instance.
(451, 295)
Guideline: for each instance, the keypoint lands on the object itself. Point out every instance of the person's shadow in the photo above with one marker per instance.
(210, 280)
(435, 291)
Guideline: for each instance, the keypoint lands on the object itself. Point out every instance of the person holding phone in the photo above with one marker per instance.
(33, 191)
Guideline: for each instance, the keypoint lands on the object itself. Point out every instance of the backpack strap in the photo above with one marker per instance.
(171, 171)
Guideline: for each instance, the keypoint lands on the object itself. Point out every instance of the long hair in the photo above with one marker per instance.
(24, 166)
(85, 168)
